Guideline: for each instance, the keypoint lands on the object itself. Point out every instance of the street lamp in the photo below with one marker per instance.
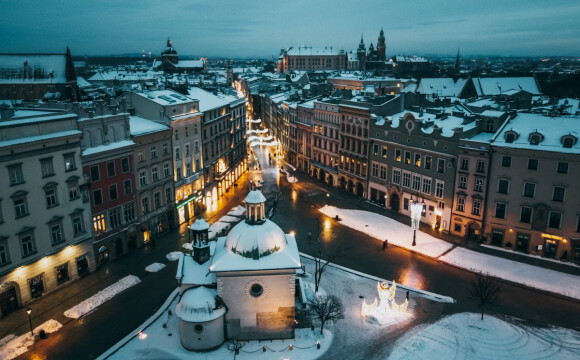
(416, 210)
(29, 311)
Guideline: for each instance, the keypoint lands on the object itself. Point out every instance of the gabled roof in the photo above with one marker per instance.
(502, 85)
(441, 87)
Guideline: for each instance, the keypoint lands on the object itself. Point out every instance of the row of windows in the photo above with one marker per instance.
(21, 208)
(28, 242)
(185, 131)
(111, 169)
(417, 182)
(477, 186)
(155, 176)
(16, 175)
(375, 171)
(529, 190)
(157, 202)
(561, 168)
(114, 218)
(326, 131)
(554, 217)
(475, 205)
(407, 157)
(153, 152)
(187, 150)
(464, 165)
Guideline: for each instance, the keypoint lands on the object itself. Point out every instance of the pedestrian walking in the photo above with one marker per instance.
(309, 236)
(385, 244)
(407, 294)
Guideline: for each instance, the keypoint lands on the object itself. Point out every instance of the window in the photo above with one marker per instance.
(461, 204)
(480, 168)
(476, 207)
(478, 186)
(155, 173)
(383, 172)
(510, 137)
(140, 156)
(375, 170)
(142, 178)
(406, 179)
(4, 255)
(165, 149)
(503, 186)
(526, 214)
(506, 161)
(157, 200)
(406, 203)
(441, 165)
(384, 152)
(129, 212)
(27, 244)
(489, 125)
(427, 185)
(95, 173)
(113, 192)
(256, 290)
(176, 134)
(125, 165)
(555, 219)
(77, 222)
(529, 190)
(532, 164)
(428, 162)
(464, 164)
(168, 195)
(73, 189)
(20, 207)
(187, 150)
(62, 274)
(500, 209)
(397, 155)
(46, 167)
(153, 152)
(114, 218)
(462, 182)
(69, 162)
(51, 199)
(99, 224)
(396, 176)
(439, 189)
(417, 160)
(97, 197)
(111, 169)
(56, 234)
(376, 149)
(127, 187)
(15, 174)
(568, 142)
(407, 157)
(562, 167)
(177, 154)
(166, 170)
(558, 193)
(145, 205)
(535, 139)
(416, 182)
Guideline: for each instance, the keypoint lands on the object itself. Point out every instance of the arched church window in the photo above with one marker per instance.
(256, 290)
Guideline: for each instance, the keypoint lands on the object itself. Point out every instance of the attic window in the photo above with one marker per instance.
(535, 138)
(511, 136)
(568, 141)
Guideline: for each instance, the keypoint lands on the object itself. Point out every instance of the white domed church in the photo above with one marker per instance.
(241, 286)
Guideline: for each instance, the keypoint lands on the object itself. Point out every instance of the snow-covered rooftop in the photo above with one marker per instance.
(199, 225)
(107, 147)
(498, 86)
(166, 97)
(209, 101)
(197, 305)
(441, 87)
(446, 124)
(255, 197)
(140, 126)
(31, 139)
(310, 51)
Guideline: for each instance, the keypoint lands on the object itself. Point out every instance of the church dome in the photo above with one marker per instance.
(199, 305)
(256, 240)
(169, 50)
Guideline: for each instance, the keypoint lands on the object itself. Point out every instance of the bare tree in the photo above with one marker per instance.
(321, 260)
(326, 307)
(235, 345)
(483, 290)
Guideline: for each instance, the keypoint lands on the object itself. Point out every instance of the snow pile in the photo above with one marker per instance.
(290, 178)
(397, 233)
(174, 256)
(101, 297)
(466, 336)
(229, 219)
(12, 346)
(401, 235)
(237, 211)
(187, 246)
(155, 267)
(216, 228)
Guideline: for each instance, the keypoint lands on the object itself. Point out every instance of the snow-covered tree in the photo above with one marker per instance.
(484, 291)
(326, 307)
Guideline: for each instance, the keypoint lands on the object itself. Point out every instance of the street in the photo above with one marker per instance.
(297, 210)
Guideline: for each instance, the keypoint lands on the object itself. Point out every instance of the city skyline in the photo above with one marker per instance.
(261, 29)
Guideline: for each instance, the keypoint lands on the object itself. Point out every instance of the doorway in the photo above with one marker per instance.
(8, 300)
(103, 254)
(395, 202)
(550, 248)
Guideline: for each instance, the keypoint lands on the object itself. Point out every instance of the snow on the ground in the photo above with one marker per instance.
(401, 235)
(237, 211)
(397, 233)
(519, 253)
(101, 297)
(155, 267)
(466, 336)
(187, 246)
(525, 274)
(290, 178)
(12, 346)
(174, 255)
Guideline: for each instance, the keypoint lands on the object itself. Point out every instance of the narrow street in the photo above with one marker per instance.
(297, 210)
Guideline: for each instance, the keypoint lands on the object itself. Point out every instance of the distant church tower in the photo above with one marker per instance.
(229, 73)
(361, 54)
(381, 46)
(456, 70)
(169, 53)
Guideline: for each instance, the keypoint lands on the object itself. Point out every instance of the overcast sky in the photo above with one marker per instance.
(260, 28)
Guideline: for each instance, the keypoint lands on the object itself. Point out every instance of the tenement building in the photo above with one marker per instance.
(45, 232)
(532, 199)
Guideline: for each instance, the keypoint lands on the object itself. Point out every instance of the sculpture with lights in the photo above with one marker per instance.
(385, 310)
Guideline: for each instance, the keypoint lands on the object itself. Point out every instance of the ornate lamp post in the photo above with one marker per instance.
(29, 311)
(416, 210)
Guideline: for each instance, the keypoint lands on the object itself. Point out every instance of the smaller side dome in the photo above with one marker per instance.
(199, 305)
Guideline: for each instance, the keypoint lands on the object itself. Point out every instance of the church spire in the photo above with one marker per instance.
(457, 63)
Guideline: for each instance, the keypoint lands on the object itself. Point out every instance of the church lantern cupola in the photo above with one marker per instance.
(199, 240)
(255, 208)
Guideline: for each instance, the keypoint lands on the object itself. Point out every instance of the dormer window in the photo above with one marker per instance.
(569, 141)
(511, 136)
(536, 138)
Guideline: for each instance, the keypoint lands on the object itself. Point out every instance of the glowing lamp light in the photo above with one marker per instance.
(292, 233)
(142, 335)
(416, 210)
(386, 309)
